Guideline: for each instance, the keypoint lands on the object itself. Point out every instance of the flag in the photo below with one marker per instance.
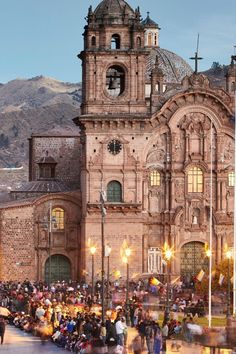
(200, 275)
(221, 279)
(154, 281)
(174, 281)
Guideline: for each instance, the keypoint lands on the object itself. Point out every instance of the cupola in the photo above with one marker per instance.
(151, 32)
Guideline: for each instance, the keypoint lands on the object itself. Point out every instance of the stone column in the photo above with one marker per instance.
(218, 195)
(223, 196)
(186, 147)
(219, 248)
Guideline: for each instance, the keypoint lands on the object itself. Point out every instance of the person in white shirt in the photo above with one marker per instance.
(120, 332)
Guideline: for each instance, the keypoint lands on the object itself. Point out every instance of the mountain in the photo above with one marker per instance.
(40, 104)
(216, 75)
(31, 106)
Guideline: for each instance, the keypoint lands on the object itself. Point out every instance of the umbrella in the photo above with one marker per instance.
(4, 312)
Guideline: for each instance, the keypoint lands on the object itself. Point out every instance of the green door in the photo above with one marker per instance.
(60, 268)
(192, 259)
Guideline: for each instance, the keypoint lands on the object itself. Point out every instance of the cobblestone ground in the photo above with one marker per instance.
(18, 342)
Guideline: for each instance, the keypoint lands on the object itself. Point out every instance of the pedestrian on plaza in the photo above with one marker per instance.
(137, 345)
(125, 330)
(149, 334)
(158, 341)
(2, 328)
(120, 332)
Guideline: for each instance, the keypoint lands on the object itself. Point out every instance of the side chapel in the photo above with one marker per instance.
(152, 134)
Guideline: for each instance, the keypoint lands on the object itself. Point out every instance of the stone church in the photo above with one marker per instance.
(155, 137)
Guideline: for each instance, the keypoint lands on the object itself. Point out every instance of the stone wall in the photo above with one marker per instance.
(17, 254)
(65, 151)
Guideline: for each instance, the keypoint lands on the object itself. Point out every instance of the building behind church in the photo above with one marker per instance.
(152, 134)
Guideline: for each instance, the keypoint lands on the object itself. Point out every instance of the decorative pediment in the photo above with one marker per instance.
(195, 123)
(196, 81)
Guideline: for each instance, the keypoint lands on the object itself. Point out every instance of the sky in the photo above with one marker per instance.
(43, 37)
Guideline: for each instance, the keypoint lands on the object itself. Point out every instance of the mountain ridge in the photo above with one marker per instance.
(36, 105)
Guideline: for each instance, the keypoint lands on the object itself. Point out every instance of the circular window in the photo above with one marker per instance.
(114, 146)
(115, 81)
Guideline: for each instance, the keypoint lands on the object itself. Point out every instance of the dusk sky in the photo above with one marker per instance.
(44, 37)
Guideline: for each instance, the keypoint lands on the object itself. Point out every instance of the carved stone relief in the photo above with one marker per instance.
(195, 122)
(158, 153)
(228, 150)
(179, 190)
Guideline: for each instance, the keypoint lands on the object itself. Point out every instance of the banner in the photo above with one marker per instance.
(200, 275)
(221, 279)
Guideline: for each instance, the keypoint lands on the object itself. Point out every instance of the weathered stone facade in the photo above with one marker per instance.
(155, 145)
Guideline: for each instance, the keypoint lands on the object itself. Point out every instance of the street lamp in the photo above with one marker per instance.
(107, 254)
(127, 254)
(92, 251)
(209, 256)
(228, 256)
(167, 254)
(52, 219)
(103, 214)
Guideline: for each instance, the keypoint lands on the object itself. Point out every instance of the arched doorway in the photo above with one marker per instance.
(192, 259)
(60, 268)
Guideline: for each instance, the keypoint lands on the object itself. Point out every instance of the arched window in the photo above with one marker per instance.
(231, 179)
(195, 180)
(233, 87)
(115, 41)
(93, 41)
(115, 80)
(114, 192)
(155, 178)
(138, 42)
(58, 219)
(149, 41)
(155, 39)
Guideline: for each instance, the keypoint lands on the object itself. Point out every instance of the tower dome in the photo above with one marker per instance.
(173, 66)
(116, 11)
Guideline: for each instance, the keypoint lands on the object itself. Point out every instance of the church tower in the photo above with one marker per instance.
(113, 60)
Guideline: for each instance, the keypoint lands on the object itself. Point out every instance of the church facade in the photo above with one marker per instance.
(154, 137)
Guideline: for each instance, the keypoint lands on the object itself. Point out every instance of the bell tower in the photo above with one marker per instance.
(113, 60)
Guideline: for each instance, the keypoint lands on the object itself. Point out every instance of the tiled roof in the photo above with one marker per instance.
(45, 187)
(173, 66)
(114, 9)
(148, 22)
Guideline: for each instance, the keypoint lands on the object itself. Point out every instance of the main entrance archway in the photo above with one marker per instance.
(192, 259)
(60, 268)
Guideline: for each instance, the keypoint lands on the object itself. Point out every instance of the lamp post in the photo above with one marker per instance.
(228, 256)
(103, 214)
(127, 254)
(92, 251)
(234, 241)
(209, 256)
(107, 254)
(167, 253)
(51, 220)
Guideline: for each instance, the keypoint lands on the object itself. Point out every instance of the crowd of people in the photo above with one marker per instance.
(66, 314)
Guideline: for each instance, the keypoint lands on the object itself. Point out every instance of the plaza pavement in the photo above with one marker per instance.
(19, 342)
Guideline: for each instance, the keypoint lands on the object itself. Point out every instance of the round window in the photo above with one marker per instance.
(115, 81)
